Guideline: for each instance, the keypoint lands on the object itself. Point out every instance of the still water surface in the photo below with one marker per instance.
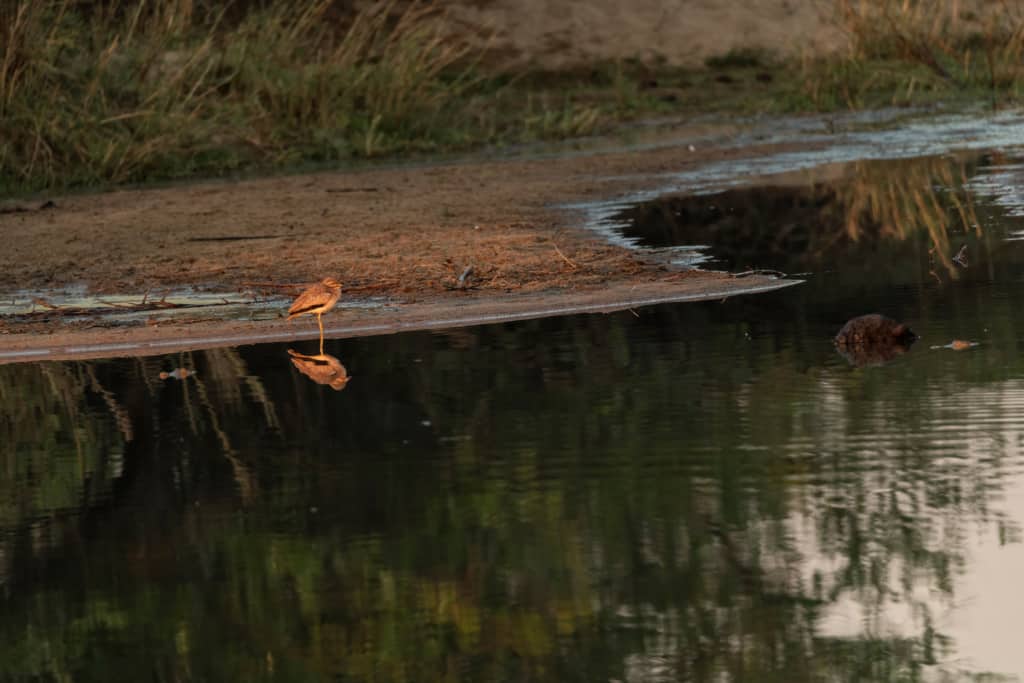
(696, 492)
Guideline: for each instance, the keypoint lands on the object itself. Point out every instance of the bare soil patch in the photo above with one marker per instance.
(558, 34)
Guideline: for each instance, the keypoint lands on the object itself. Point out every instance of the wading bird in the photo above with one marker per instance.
(317, 300)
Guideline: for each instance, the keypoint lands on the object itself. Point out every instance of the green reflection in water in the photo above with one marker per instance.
(62, 433)
(691, 494)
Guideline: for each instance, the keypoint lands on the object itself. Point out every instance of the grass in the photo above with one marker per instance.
(913, 50)
(126, 92)
(106, 92)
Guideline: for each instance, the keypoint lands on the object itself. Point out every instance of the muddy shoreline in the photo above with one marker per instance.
(430, 314)
(412, 245)
(473, 240)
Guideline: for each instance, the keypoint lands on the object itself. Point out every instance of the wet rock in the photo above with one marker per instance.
(873, 340)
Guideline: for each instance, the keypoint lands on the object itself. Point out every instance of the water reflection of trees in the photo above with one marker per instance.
(806, 223)
(62, 441)
(611, 503)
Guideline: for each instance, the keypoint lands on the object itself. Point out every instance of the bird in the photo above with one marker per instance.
(317, 300)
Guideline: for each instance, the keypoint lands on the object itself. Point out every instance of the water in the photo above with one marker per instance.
(816, 150)
(695, 492)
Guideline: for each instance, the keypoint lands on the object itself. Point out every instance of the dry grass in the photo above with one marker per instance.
(122, 91)
(106, 92)
(127, 91)
(904, 47)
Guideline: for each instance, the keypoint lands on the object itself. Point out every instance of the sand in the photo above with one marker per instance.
(402, 235)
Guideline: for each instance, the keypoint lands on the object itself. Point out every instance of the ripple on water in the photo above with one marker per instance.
(698, 491)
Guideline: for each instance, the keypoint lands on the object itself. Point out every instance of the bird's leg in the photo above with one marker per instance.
(320, 322)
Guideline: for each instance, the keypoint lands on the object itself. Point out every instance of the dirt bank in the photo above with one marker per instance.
(403, 235)
(433, 313)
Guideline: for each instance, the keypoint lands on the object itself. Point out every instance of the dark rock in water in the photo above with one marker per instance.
(873, 329)
(873, 340)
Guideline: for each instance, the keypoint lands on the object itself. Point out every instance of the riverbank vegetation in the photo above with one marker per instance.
(103, 93)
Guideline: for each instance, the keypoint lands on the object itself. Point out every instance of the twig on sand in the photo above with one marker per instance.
(494, 278)
(760, 271)
(564, 257)
(273, 285)
(143, 306)
(45, 304)
(373, 286)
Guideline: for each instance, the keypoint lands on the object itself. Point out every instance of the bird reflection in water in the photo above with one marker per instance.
(321, 368)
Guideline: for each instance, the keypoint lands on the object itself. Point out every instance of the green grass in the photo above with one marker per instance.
(95, 94)
(130, 92)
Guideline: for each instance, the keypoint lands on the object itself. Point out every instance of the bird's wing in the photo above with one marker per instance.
(307, 301)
